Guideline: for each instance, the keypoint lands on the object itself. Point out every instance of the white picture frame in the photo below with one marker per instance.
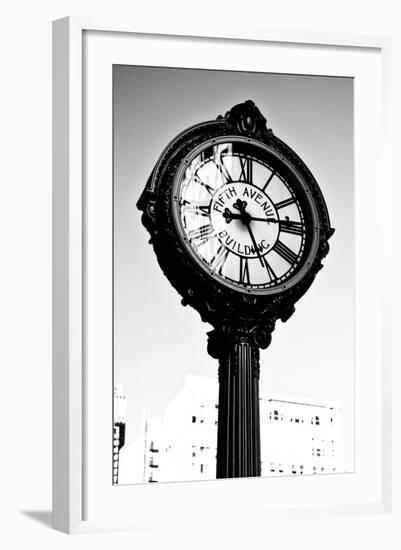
(83, 499)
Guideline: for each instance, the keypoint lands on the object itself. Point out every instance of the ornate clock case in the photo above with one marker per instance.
(243, 316)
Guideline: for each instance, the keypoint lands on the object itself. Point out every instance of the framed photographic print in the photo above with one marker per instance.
(219, 265)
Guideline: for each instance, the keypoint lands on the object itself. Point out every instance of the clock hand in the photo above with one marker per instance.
(245, 218)
(254, 242)
(240, 205)
(243, 215)
(229, 216)
(273, 220)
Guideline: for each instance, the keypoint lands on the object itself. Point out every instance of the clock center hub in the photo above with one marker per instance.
(242, 215)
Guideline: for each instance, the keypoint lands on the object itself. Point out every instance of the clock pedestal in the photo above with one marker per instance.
(238, 432)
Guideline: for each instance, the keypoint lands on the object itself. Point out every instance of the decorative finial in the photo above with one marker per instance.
(246, 119)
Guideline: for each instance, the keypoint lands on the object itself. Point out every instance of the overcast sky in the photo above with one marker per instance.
(158, 341)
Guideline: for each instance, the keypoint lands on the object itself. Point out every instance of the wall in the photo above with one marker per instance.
(25, 274)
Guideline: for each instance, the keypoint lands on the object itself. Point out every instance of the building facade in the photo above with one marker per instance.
(298, 437)
(119, 425)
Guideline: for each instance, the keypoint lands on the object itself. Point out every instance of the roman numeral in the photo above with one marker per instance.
(201, 234)
(284, 203)
(246, 169)
(285, 252)
(198, 208)
(295, 228)
(269, 269)
(219, 259)
(244, 271)
(269, 180)
(209, 189)
(223, 170)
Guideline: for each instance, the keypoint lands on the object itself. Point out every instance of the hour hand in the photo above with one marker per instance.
(255, 243)
(229, 216)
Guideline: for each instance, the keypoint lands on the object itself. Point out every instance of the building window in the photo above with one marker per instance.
(193, 419)
(152, 447)
(152, 464)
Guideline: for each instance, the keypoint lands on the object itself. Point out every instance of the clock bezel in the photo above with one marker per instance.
(306, 263)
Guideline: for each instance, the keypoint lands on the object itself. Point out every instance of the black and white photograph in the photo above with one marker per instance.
(200, 277)
(233, 275)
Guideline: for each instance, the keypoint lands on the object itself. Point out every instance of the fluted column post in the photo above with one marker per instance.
(238, 430)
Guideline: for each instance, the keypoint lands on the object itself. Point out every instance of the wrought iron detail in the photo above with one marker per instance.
(246, 119)
(243, 323)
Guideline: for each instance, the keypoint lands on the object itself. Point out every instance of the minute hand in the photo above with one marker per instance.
(266, 220)
(234, 216)
(287, 223)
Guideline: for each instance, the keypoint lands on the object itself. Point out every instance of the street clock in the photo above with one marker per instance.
(239, 226)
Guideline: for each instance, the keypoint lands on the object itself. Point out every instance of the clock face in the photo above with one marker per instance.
(244, 215)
